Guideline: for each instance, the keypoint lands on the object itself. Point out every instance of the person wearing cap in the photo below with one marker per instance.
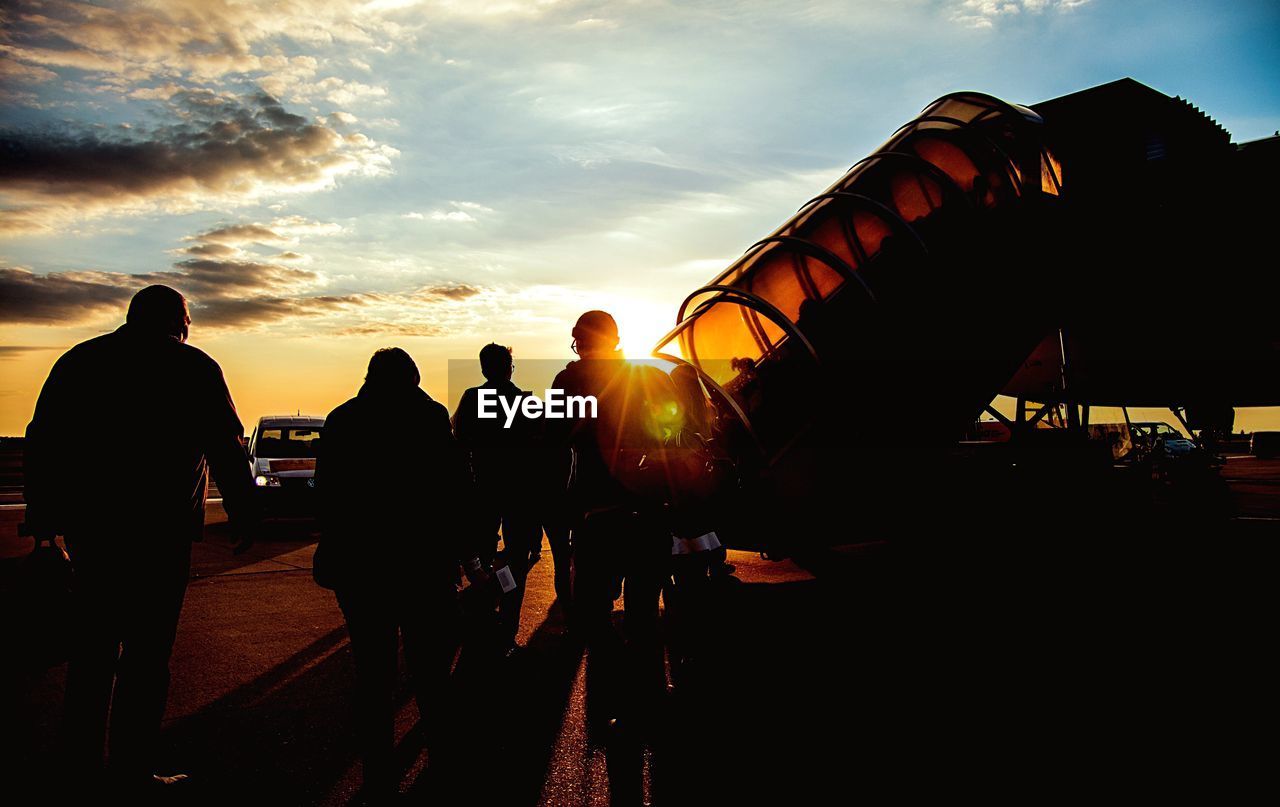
(117, 455)
(395, 518)
(620, 543)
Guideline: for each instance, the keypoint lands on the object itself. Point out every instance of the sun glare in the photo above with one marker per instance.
(641, 323)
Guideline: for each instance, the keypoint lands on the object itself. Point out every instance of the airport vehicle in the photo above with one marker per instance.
(1144, 440)
(1163, 439)
(1265, 445)
(972, 255)
(282, 457)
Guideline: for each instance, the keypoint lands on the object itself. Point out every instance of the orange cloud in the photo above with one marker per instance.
(459, 291)
(240, 234)
(393, 329)
(205, 39)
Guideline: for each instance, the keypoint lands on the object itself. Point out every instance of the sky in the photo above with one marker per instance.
(324, 178)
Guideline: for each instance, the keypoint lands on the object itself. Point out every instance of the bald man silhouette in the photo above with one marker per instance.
(116, 459)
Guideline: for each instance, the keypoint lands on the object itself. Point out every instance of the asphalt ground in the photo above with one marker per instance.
(1093, 668)
(262, 674)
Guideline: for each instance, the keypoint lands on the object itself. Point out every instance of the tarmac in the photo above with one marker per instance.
(861, 672)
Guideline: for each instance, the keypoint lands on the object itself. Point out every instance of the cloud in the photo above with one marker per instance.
(240, 234)
(335, 90)
(225, 293)
(232, 243)
(283, 229)
(476, 206)
(15, 75)
(456, 216)
(417, 312)
(459, 291)
(12, 71)
(287, 73)
(396, 313)
(211, 250)
(61, 297)
(205, 39)
(984, 13)
(452, 215)
(125, 45)
(222, 294)
(224, 151)
(215, 273)
(76, 297)
(393, 329)
(11, 352)
(22, 219)
(294, 227)
(459, 214)
(260, 311)
(205, 278)
(594, 23)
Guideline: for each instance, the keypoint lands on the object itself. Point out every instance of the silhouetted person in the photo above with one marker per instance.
(503, 463)
(116, 457)
(696, 510)
(393, 489)
(556, 515)
(620, 543)
(698, 429)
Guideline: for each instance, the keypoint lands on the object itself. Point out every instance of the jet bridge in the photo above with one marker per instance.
(1080, 251)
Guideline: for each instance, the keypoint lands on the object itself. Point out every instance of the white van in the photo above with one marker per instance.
(282, 457)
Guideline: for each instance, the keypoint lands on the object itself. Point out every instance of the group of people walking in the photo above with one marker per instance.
(411, 501)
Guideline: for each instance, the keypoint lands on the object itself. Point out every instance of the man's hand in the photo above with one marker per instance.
(481, 594)
(476, 574)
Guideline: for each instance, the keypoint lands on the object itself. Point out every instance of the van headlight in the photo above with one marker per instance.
(266, 481)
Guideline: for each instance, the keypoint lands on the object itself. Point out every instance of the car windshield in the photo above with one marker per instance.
(282, 443)
(1149, 430)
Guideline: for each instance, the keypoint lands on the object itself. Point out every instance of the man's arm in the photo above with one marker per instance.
(557, 433)
(42, 462)
(463, 416)
(462, 427)
(457, 487)
(225, 452)
(338, 501)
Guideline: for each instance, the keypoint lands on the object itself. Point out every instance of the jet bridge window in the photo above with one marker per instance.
(786, 279)
(725, 337)
(1050, 174)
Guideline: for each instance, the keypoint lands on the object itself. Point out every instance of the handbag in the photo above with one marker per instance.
(44, 591)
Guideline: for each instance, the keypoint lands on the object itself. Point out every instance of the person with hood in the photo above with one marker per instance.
(395, 507)
(117, 455)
